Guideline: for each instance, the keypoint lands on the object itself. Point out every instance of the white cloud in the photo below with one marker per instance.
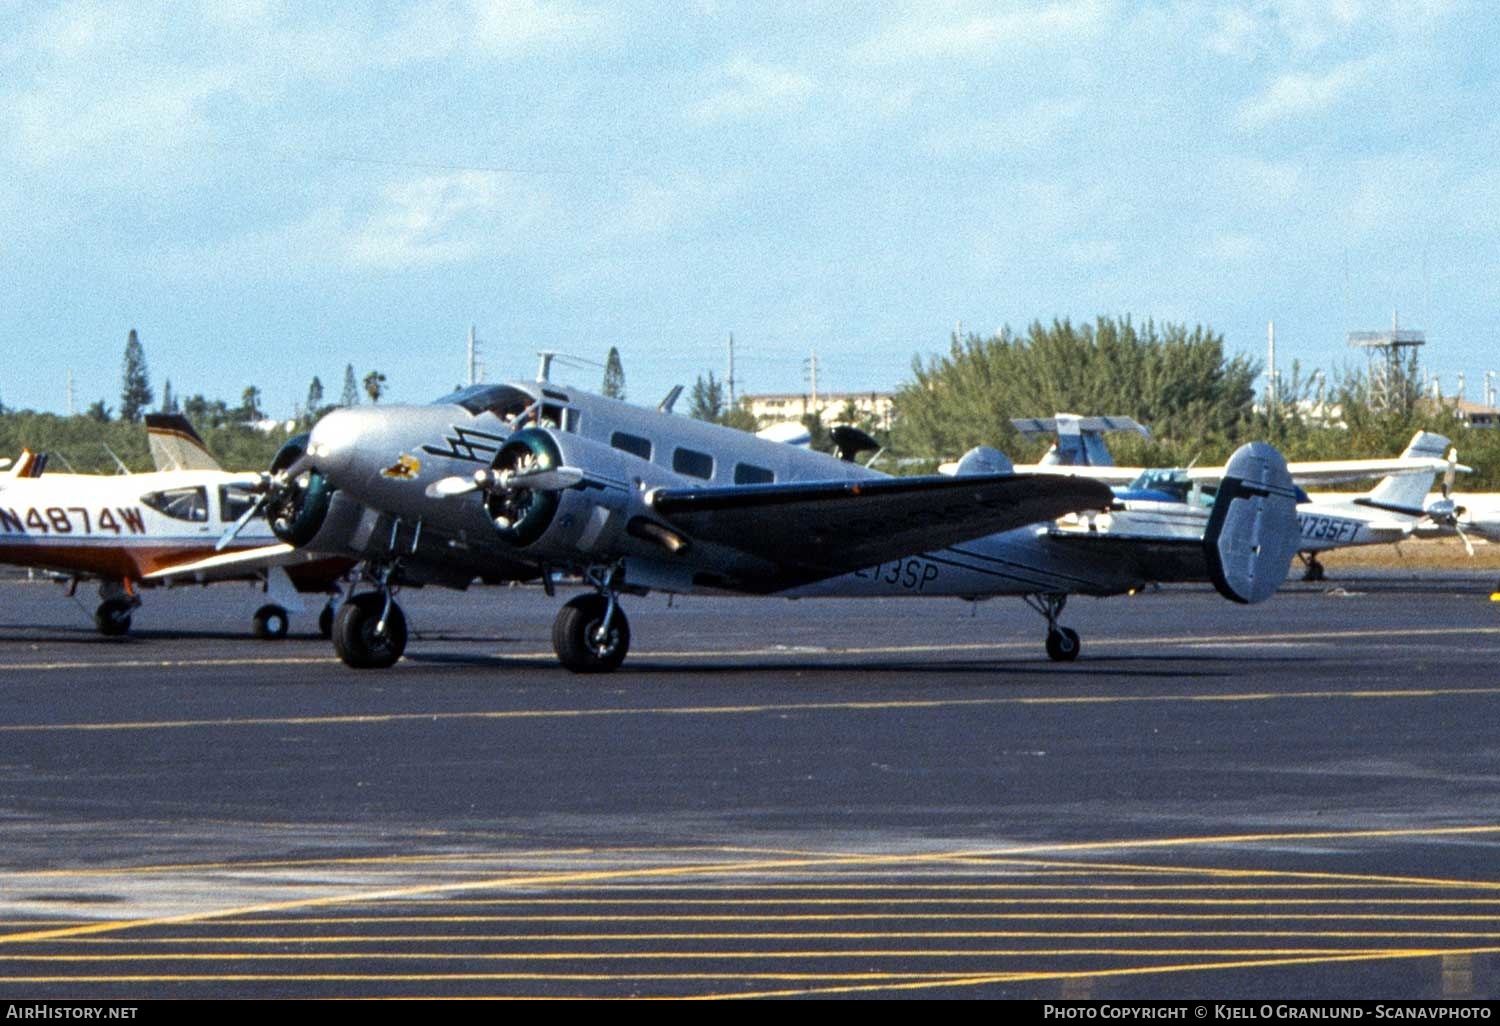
(937, 31)
(1233, 247)
(1036, 126)
(1092, 252)
(438, 219)
(510, 26)
(1296, 95)
(752, 88)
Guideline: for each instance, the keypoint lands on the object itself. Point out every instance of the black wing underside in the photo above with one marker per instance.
(816, 529)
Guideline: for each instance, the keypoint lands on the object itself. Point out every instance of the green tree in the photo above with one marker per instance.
(250, 410)
(614, 376)
(351, 388)
(168, 400)
(1197, 401)
(97, 411)
(706, 400)
(314, 398)
(375, 386)
(135, 394)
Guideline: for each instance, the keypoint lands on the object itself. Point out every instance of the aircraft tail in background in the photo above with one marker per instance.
(1080, 440)
(175, 445)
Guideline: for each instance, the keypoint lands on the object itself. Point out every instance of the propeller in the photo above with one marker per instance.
(271, 487)
(1447, 513)
(556, 479)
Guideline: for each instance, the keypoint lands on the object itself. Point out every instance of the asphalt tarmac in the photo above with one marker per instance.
(867, 798)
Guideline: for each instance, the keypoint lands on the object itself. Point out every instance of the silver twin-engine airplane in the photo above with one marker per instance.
(523, 480)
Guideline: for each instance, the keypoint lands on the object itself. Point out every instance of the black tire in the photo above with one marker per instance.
(112, 618)
(573, 636)
(269, 623)
(1063, 645)
(354, 637)
(325, 622)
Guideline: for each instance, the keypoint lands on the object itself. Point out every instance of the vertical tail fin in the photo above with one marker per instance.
(1252, 532)
(175, 445)
(1409, 491)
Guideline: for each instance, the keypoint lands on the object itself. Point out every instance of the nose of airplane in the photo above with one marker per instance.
(339, 437)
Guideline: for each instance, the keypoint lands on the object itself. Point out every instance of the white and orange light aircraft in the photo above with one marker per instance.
(130, 531)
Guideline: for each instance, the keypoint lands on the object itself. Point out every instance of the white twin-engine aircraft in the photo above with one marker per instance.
(130, 530)
(522, 480)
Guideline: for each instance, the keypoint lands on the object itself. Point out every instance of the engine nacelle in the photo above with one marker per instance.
(603, 517)
(298, 509)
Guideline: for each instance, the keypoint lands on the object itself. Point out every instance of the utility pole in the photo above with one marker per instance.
(476, 368)
(730, 379)
(70, 391)
(810, 365)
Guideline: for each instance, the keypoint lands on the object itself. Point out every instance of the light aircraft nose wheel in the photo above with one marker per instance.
(1063, 645)
(583, 642)
(112, 618)
(269, 623)
(357, 635)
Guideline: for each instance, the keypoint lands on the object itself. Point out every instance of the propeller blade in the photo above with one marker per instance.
(449, 487)
(239, 525)
(555, 480)
(1464, 537)
(1451, 472)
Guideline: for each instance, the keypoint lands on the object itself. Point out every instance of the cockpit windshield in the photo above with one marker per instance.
(504, 401)
(1173, 485)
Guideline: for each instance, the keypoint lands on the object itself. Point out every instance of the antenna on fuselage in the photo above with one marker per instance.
(665, 406)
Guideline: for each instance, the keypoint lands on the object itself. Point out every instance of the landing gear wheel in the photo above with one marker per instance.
(325, 622)
(1314, 569)
(356, 639)
(269, 623)
(112, 618)
(580, 640)
(1063, 645)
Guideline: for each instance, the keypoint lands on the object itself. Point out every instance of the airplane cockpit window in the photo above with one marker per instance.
(1172, 483)
(505, 401)
(179, 503)
(234, 499)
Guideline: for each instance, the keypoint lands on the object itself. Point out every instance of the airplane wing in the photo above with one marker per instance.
(819, 528)
(226, 563)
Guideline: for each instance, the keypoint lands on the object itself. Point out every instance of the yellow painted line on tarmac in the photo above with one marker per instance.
(577, 878)
(972, 980)
(380, 719)
(423, 861)
(694, 954)
(1402, 638)
(660, 936)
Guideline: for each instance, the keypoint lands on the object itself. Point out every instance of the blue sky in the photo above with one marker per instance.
(269, 191)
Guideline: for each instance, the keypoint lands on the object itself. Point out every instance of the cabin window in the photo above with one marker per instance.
(180, 503)
(749, 473)
(633, 444)
(233, 501)
(693, 464)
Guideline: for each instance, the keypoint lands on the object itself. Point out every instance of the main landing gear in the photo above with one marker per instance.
(591, 634)
(369, 630)
(1313, 570)
(117, 601)
(1063, 643)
